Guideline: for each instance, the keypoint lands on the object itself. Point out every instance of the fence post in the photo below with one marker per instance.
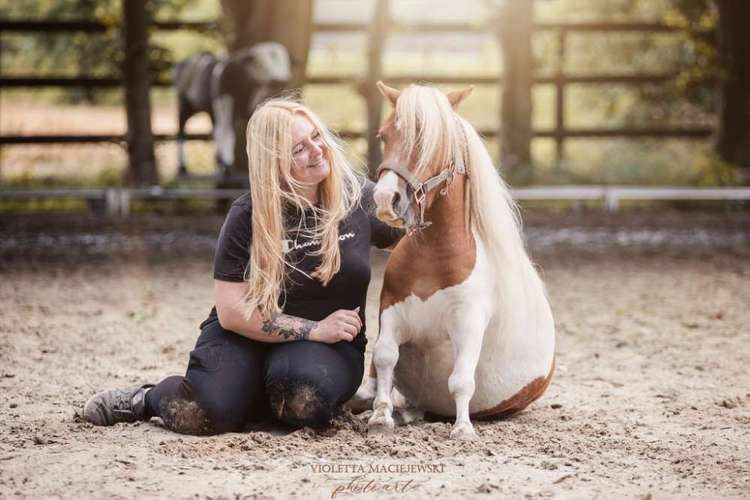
(515, 32)
(369, 89)
(733, 136)
(137, 81)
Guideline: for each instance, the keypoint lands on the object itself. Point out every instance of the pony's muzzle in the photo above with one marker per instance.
(391, 202)
(387, 202)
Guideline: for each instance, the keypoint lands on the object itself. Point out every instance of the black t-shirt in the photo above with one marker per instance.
(306, 297)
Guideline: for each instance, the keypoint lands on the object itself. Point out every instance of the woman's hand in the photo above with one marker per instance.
(343, 324)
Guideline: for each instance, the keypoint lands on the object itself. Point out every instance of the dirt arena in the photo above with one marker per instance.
(651, 398)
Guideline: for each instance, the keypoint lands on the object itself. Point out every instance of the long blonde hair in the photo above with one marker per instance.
(274, 191)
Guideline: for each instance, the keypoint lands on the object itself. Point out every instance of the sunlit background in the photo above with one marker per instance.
(687, 100)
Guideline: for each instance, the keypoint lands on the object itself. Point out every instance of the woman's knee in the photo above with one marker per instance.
(300, 403)
(188, 413)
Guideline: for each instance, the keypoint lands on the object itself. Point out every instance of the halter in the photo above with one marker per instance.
(420, 189)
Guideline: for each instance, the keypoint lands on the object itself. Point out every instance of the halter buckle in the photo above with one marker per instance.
(448, 180)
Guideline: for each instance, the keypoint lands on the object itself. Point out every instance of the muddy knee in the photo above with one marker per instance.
(300, 404)
(186, 417)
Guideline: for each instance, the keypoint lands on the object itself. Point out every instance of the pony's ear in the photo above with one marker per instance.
(456, 97)
(389, 92)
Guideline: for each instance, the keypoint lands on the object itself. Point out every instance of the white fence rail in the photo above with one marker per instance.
(116, 201)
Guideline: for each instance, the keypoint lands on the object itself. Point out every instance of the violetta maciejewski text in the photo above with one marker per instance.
(343, 468)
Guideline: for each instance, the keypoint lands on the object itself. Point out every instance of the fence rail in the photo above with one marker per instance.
(632, 133)
(117, 201)
(114, 82)
(377, 32)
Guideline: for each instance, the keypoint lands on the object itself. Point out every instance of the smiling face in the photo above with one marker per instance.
(310, 157)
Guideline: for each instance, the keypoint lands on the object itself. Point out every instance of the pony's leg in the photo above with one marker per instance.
(385, 357)
(184, 112)
(466, 333)
(403, 411)
(224, 132)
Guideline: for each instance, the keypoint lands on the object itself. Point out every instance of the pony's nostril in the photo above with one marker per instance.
(394, 202)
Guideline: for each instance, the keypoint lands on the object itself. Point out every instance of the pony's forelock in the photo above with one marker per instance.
(430, 130)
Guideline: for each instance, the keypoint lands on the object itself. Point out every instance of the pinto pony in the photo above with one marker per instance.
(466, 329)
(228, 88)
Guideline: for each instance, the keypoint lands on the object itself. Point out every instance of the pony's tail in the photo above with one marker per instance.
(497, 220)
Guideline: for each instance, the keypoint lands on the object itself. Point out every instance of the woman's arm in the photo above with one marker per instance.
(340, 325)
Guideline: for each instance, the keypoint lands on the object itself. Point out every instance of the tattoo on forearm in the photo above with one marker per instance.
(289, 327)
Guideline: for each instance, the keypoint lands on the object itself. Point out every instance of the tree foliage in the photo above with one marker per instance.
(79, 53)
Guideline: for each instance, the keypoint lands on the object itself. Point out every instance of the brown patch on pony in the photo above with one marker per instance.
(443, 254)
(523, 398)
(185, 416)
(440, 256)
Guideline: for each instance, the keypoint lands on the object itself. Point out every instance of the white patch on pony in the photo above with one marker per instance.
(224, 129)
(181, 158)
(270, 62)
(423, 330)
(386, 187)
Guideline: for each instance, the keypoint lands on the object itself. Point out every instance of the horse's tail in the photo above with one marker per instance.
(496, 218)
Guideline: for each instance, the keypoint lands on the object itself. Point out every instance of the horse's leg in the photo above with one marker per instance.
(183, 114)
(362, 401)
(385, 357)
(224, 132)
(466, 333)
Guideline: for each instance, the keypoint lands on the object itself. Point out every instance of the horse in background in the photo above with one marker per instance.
(466, 329)
(228, 89)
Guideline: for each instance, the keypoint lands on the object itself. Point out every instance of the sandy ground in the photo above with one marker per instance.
(651, 398)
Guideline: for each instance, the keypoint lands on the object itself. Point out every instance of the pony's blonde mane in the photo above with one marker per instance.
(433, 136)
(431, 132)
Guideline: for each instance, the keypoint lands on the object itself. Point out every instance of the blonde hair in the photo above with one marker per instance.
(273, 191)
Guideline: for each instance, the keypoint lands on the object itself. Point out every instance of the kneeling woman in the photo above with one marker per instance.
(286, 338)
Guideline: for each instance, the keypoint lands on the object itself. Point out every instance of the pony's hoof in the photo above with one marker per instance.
(463, 432)
(380, 424)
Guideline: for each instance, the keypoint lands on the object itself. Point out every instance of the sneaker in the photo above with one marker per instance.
(117, 405)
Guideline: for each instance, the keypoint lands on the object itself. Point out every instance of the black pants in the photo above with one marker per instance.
(232, 380)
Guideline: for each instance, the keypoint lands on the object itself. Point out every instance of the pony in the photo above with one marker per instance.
(466, 328)
(228, 89)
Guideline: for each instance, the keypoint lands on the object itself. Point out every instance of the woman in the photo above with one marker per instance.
(286, 337)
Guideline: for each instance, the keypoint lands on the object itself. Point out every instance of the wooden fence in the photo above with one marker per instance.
(378, 30)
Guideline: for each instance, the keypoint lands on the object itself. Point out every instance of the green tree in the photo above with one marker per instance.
(79, 53)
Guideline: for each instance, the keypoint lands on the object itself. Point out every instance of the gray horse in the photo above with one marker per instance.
(228, 89)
